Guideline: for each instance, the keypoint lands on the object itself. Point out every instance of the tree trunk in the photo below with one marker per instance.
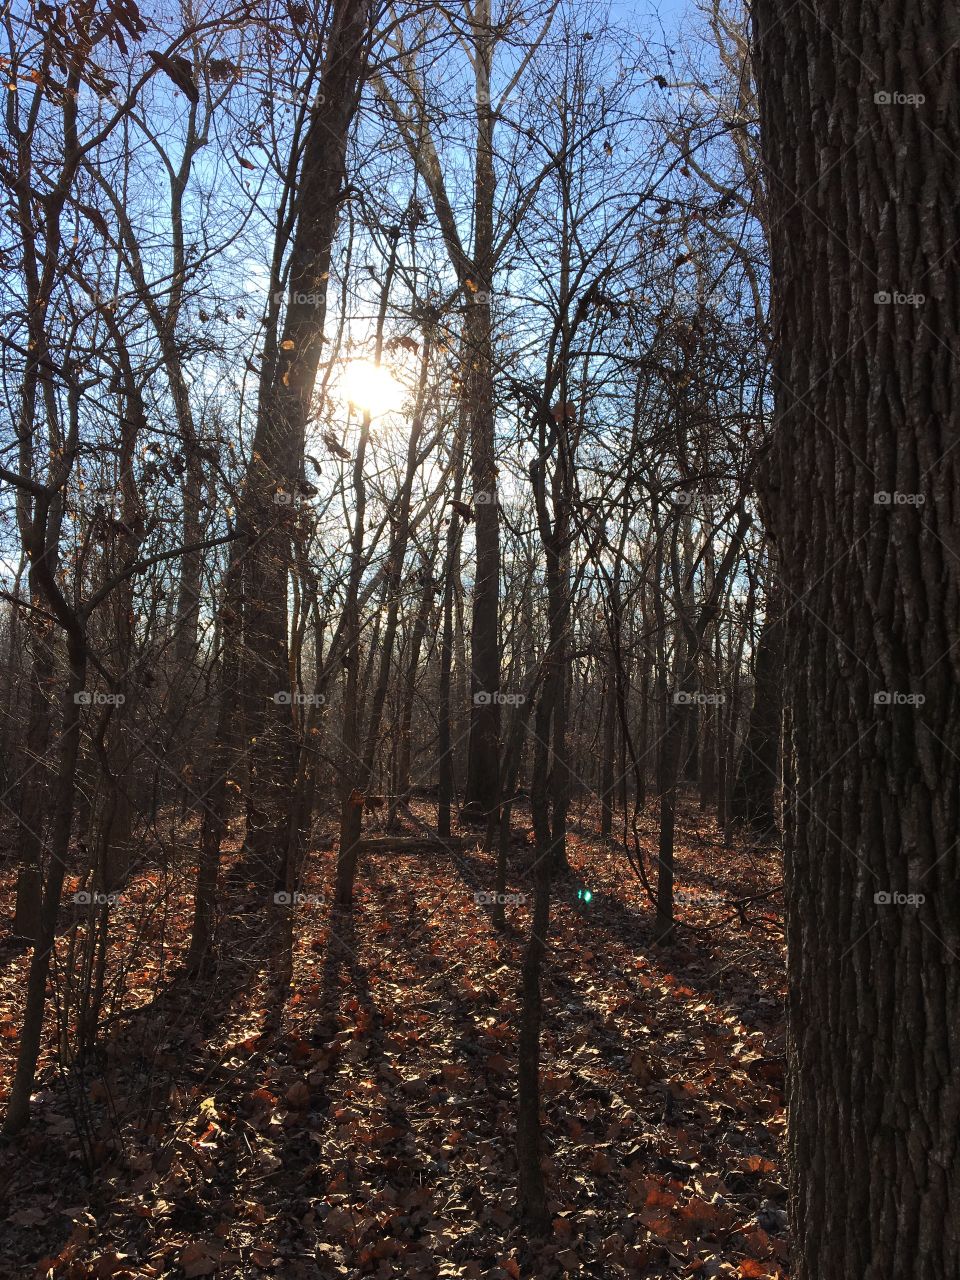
(291, 360)
(754, 795)
(669, 772)
(483, 762)
(609, 749)
(401, 790)
(483, 758)
(223, 758)
(451, 571)
(549, 829)
(18, 1107)
(862, 502)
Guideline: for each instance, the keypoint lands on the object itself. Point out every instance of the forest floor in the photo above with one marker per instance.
(371, 1132)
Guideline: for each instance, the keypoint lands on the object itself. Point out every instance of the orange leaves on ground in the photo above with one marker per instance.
(655, 1090)
(658, 1197)
(700, 1216)
(498, 1064)
(298, 1095)
(201, 1258)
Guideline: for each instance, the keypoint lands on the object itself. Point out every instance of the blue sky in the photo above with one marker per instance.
(651, 15)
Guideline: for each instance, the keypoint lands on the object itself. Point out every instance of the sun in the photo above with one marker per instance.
(371, 388)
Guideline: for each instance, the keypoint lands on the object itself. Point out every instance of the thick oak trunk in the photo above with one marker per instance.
(863, 505)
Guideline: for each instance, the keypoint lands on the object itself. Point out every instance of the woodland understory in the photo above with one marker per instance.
(479, 652)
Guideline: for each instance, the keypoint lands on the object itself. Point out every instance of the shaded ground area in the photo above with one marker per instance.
(373, 1133)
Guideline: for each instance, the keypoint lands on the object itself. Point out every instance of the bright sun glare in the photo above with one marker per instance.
(371, 388)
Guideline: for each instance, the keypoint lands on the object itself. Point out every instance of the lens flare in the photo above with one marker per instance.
(371, 388)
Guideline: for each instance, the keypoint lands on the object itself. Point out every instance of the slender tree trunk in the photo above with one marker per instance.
(560, 780)
(483, 764)
(549, 830)
(862, 501)
(18, 1107)
(512, 756)
(215, 791)
(669, 771)
(401, 795)
(483, 759)
(609, 750)
(451, 572)
(36, 772)
(711, 728)
(351, 799)
(38, 778)
(531, 1189)
(754, 795)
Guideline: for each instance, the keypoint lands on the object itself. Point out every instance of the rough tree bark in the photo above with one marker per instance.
(483, 762)
(290, 366)
(864, 222)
